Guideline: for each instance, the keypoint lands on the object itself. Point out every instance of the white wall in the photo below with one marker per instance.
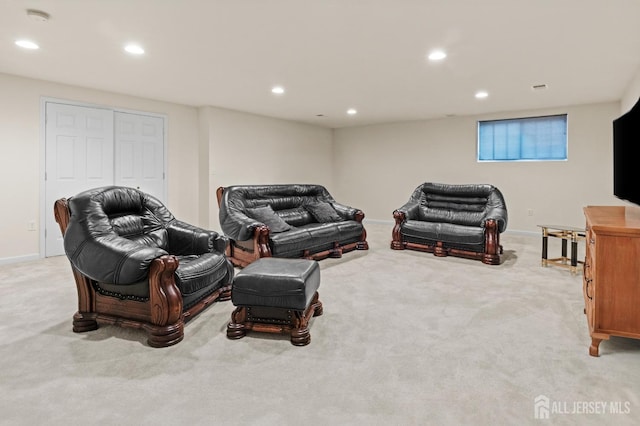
(207, 147)
(374, 168)
(377, 167)
(631, 95)
(246, 149)
(20, 166)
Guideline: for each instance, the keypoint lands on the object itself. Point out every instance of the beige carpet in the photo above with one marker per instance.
(406, 338)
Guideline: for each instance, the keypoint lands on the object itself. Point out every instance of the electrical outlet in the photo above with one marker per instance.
(530, 212)
(31, 226)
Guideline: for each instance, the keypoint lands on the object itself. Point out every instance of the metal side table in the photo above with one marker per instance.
(566, 233)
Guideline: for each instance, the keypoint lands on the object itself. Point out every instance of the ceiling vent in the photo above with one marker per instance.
(37, 15)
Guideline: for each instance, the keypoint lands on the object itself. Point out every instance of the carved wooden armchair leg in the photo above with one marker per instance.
(396, 234)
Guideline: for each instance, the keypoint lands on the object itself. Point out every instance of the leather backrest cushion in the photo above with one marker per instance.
(116, 226)
(118, 201)
(292, 211)
(142, 226)
(127, 224)
(279, 192)
(297, 216)
(287, 201)
(457, 204)
(158, 238)
(458, 217)
(278, 203)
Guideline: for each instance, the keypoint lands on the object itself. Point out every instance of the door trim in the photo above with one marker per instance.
(44, 210)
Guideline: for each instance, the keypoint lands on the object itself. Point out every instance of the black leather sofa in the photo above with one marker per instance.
(136, 265)
(458, 220)
(289, 221)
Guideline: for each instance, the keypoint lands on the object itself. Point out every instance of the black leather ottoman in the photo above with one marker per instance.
(276, 295)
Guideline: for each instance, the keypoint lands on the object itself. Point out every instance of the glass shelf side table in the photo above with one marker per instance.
(566, 233)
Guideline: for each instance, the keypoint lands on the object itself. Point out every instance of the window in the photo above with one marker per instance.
(528, 139)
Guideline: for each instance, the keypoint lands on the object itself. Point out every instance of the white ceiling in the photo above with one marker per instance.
(331, 55)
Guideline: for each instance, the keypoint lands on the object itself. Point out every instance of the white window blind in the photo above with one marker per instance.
(528, 139)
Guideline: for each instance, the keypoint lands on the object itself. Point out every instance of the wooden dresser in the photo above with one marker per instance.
(611, 283)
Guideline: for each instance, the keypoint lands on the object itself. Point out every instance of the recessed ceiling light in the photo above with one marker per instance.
(437, 55)
(352, 111)
(27, 44)
(278, 90)
(481, 94)
(134, 49)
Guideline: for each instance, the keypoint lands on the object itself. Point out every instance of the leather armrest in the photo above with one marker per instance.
(238, 226)
(186, 239)
(498, 214)
(346, 212)
(114, 259)
(220, 243)
(410, 210)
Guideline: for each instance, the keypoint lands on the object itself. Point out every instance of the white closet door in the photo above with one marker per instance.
(139, 153)
(92, 147)
(78, 156)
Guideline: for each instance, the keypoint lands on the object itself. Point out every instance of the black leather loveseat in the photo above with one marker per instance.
(291, 221)
(459, 220)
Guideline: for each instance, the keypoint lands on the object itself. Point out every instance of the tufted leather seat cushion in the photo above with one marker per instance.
(198, 275)
(417, 230)
(314, 237)
(196, 272)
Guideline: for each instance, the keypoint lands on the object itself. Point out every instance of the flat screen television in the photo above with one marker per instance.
(626, 155)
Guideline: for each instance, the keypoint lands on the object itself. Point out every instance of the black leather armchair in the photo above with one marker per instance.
(136, 265)
(458, 220)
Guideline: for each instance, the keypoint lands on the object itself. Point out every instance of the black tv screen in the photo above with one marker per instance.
(626, 155)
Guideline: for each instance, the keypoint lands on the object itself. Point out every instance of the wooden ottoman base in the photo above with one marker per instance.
(275, 320)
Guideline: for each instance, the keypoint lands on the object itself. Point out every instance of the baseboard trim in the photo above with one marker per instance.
(379, 221)
(523, 233)
(18, 259)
